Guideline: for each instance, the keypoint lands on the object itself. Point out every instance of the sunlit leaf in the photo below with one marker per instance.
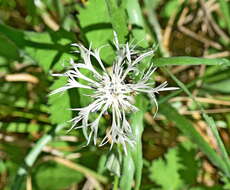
(96, 26)
(166, 172)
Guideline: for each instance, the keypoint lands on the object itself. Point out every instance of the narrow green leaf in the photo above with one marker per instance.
(138, 127)
(225, 9)
(137, 22)
(128, 169)
(222, 86)
(134, 157)
(215, 132)
(170, 61)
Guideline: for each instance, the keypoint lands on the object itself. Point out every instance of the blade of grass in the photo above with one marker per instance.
(221, 146)
(226, 12)
(137, 22)
(171, 61)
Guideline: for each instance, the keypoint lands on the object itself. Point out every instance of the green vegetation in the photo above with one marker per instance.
(185, 147)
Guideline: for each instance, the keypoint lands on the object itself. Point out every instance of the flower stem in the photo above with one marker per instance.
(116, 182)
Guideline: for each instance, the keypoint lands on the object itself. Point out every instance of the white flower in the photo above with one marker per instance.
(111, 91)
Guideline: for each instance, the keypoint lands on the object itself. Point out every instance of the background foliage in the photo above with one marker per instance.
(186, 147)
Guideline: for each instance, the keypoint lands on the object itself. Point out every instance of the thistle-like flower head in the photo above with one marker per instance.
(112, 92)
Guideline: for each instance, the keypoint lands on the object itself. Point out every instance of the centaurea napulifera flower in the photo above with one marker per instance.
(111, 91)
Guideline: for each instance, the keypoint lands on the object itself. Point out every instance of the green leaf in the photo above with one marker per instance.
(60, 104)
(170, 8)
(226, 182)
(2, 167)
(13, 151)
(137, 124)
(54, 176)
(8, 49)
(113, 163)
(170, 61)
(49, 49)
(224, 6)
(166, 172)
(118, 18)
(221, 86)
(101, 164)
(137, 22)
(45, 48)
(187, 152)
(96, 26)
(223, 151)
(128, 169)
(134, 156)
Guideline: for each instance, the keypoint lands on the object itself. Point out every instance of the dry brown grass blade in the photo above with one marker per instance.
(218, 55)
(28, 183)
(21, 77)
(203, 100)
(209, 111)
(210, 20)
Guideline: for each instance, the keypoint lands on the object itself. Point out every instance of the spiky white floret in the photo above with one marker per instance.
(111, 91)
